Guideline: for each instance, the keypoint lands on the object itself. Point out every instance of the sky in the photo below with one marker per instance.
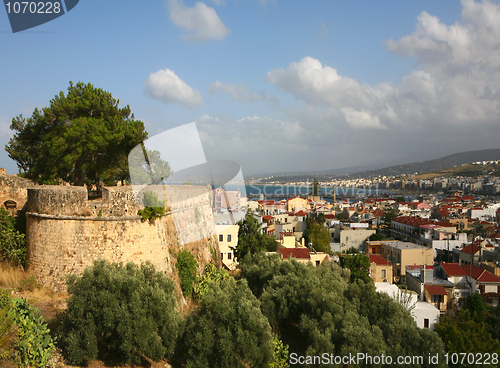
(277, 86)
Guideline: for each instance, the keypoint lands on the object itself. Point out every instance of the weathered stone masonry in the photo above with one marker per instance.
(66, 232)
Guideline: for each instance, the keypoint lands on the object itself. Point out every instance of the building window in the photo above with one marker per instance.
(221, 237)
(317, 263)
(426, 323)
(383, 274)
(229, 256)
(229, 237)
(222, 256)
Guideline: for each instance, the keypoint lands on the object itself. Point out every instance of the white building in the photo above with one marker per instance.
(424, 314)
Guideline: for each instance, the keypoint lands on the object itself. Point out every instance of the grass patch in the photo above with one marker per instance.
(11, 276)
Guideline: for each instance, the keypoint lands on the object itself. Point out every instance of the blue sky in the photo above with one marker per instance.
(275, 85)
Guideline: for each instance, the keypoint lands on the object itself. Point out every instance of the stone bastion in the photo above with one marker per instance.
(66, 231)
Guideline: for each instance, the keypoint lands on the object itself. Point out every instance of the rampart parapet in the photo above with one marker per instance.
(67, 231)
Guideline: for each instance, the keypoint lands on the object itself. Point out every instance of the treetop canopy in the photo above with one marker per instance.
(83, 137)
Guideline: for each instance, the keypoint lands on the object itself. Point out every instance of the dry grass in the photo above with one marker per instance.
(11, 276)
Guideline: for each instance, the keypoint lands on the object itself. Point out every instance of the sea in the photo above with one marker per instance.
(255, 191)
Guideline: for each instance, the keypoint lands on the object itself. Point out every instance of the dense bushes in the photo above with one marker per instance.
(120, 312)
(228, 330)
(24, 336)
(319, 308)
(187, 267)
(12, 241)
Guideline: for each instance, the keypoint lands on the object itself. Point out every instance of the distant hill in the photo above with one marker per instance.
(377, 168)
(433, 165)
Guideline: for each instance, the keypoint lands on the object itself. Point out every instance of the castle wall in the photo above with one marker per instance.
(13, 188)
(66, 232)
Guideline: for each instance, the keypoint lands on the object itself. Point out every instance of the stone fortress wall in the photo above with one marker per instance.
(13, 191)
(67, 231)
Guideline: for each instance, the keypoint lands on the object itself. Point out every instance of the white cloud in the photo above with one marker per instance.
(361, 119)
(257, 143)
(240, 91)
(472, 41)
(201, 21)
(166, 86)
(452, 95)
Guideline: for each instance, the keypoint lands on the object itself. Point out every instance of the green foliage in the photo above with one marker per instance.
(151, 213)
(389, 215)
(319, 308)
(399, 199)
(211, 275)
(376, 237)
(317, 234)
(84, 135)
(280, 354)
(315, 188)
(29, 284)
(12, 242)
(7, 328)
(154, 208)
(359, 265)
(463, 335)
(250, 238)
(228, 330)
(187, 268)
(471, 330)
(121, 312)
(32, 345)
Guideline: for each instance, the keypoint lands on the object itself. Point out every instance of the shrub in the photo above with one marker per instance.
(12, 242)
(211, 275)
(124, 313)
(30, 344)
(7, 328)
(228, 331)
(187, 268)
(153, 207)
(280, 354)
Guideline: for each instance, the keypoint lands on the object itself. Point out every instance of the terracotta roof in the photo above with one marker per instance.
(480, 274)
(299, 253)
(379, 260)
(471, 248)
(268, 217)
(436, 290)
(266, 202)
(301, 213)
(453, 269)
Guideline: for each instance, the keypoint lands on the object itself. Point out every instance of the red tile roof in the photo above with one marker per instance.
(453, 269)
(268, 217)
(378, 260)
(480, 274)
(436, 290)
(471, 249)
(301, 213)
(299, 253)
